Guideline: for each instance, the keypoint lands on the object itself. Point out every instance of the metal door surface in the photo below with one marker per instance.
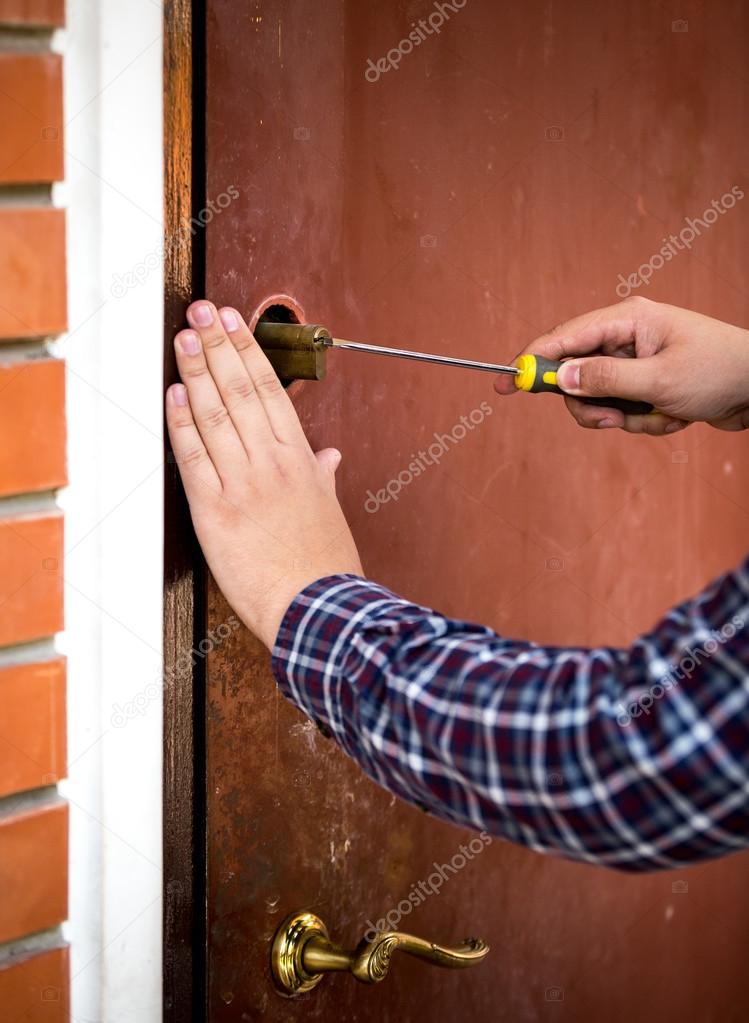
(461, 194)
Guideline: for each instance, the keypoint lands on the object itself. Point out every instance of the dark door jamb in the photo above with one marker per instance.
(184, 889)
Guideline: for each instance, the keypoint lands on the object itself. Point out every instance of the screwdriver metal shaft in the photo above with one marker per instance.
(404, 353)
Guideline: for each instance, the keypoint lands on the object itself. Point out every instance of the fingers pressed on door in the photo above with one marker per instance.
(195, 465)
(217, 431)
(236, 387)
(276, 402)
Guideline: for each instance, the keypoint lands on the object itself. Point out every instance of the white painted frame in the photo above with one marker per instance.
(113, 193)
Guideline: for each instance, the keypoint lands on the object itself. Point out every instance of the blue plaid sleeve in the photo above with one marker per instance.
(636, 759)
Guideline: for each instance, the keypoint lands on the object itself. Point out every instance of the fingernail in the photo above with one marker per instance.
(674, 427)
(189, 342)
(568, 376)
(604, 424)
(179, 393)
(229, 319)
(200, 315)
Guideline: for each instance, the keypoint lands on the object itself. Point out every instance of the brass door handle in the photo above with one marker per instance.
(302, 952)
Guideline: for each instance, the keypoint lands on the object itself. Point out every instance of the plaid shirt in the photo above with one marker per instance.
(636, 759)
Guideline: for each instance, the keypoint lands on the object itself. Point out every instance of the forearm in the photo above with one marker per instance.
(525, 741)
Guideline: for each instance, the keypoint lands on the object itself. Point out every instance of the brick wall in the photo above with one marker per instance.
(34, 974)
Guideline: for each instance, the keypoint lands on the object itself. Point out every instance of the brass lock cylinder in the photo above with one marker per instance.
(295, 350)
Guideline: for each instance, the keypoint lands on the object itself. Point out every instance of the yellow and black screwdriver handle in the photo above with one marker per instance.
(538, 374)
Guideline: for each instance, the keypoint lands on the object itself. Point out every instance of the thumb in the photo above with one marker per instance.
(607, 377)
(329, 459)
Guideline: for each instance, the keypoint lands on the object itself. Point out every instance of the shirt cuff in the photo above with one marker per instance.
(314, 638)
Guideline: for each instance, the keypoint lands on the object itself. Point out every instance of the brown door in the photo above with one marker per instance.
(462, 195)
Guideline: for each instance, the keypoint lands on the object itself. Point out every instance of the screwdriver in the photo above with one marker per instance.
(297, 352)
(532, 373)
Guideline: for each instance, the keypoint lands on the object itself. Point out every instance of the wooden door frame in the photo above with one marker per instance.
(184, 913)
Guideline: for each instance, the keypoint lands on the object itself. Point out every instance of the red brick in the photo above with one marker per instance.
(32, 725)
(32, 12)
(33, 870)
(36, 988)
(32, 272)
(31, 142)
(30, 577)
(32, 425)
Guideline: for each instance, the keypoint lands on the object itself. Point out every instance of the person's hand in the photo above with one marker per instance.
(262, 503)
(690, 367)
